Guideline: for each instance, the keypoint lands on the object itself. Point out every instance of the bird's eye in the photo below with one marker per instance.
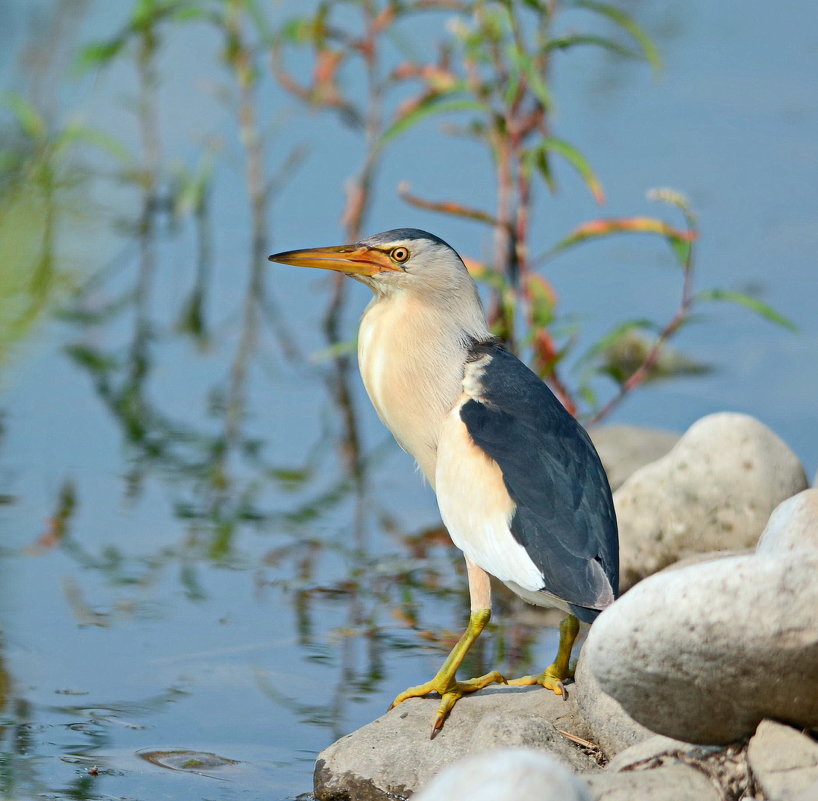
(399, 254)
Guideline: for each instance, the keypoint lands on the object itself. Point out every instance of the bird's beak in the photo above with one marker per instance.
(350, 259)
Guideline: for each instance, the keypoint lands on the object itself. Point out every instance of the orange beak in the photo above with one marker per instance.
(349, 259)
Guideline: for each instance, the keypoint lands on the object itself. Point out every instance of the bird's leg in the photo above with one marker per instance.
(553, 676)
(445, 682)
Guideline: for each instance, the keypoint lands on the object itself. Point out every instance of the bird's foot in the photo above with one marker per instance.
(450, 691)
(551, 678)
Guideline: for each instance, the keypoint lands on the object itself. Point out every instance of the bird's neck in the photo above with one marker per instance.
(411, 355)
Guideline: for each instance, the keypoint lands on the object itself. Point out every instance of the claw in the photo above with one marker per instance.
(437, 726)
(445, 683)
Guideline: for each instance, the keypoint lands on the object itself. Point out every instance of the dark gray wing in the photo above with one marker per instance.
(565, 517)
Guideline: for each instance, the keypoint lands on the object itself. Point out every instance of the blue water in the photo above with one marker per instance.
(264, 616)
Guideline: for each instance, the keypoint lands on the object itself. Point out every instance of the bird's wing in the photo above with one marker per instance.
(564, 516)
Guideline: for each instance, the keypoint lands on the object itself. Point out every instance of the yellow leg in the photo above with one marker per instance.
(445, 683)
(553, 676)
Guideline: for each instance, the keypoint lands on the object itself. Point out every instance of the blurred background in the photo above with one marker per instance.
(214, 560)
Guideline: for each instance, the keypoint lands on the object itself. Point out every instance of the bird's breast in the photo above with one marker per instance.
(412, 374)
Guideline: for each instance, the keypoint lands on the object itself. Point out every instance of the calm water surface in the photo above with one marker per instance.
(187, 562)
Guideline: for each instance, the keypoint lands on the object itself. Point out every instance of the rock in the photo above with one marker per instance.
(784, 761)
(611, 728)
(793, 525)
(511, 774)
(502, 729)
(667, 782)
(714, 490)
(704, 653)
(658, 747)
(393, 756)
(624, 449)
(726, 768)
(708, 556)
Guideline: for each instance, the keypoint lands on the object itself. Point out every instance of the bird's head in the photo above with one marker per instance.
(404, 259)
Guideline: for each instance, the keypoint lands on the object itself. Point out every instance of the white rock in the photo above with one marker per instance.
(714, 490)
(658, 747)
(623, 449)
(512, 774)
(611, 728)
(704, 653)
(784, 761)
(392, 757)
(671, 782)
(793, 525)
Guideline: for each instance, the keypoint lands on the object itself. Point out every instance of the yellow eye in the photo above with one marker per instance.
(399, 254)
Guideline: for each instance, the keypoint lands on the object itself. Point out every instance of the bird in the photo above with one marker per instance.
(519, 484)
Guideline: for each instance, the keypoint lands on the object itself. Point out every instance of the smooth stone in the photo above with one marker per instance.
(793, 525)
(667, 782)
(708, 556)
(510, 774)
(611, 728)
(704, 653)
(784, 761)
(658, 747)
(393, 756)
(715, 490)
(623, 449)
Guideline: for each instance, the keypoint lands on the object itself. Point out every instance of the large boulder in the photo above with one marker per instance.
(510, 774)
(611, 728)
(623, 449)
(713, 491)
(393, 756)
(704, 653)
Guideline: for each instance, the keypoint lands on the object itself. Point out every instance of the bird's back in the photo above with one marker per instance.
(560, 510)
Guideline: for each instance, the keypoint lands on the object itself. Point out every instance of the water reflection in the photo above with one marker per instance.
(297, 533)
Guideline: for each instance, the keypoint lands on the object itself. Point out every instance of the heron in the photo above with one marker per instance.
(519, 484)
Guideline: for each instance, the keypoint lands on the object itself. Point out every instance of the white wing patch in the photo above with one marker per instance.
(475, 505)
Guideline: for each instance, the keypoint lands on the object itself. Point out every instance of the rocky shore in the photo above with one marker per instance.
(700, 682)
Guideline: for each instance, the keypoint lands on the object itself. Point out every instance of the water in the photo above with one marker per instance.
(177, 577)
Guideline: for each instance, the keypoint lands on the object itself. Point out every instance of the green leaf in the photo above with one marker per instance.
(594, 229)
(573, 40)
(681, 249)
(188, 13)
(525, 64)
(334, 351)
(512, 85)
(91, 358)
(28, 118)
(617, 333)
(578, 162)
(537, 158)
(619, 17)
(542, 300)
(99, 53)
(749, 302)
(75, 132)
(435, 104)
